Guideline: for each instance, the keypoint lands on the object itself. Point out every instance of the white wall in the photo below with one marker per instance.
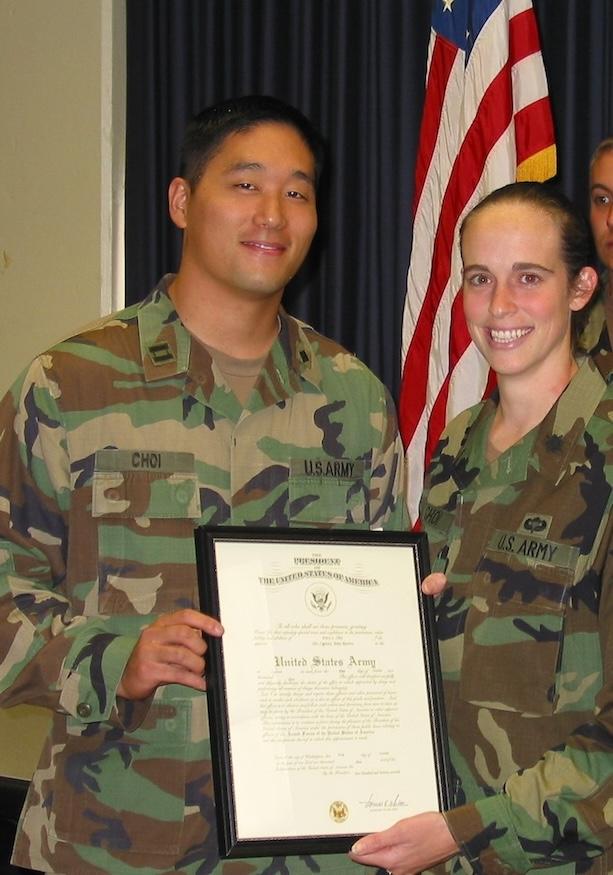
(55, 155)
(62, 106)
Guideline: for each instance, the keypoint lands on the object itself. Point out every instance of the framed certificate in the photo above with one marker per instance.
(324, 694)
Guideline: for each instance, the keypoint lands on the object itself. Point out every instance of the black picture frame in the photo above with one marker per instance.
(217, 551)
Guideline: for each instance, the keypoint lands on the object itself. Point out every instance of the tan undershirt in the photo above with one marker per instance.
(239, 374)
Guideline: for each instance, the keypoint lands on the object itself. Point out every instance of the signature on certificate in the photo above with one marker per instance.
(385, 803)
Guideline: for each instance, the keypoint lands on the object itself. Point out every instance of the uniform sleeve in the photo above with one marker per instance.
(560, 810)
(388, 472)
(53, 655)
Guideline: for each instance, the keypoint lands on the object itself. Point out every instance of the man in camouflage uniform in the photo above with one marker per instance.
(525, 627)
(204, 404)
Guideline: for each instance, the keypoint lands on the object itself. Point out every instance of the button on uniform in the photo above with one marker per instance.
(183, 494)
(84, 709)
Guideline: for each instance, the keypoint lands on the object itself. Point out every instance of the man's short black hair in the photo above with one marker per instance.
(206, 132)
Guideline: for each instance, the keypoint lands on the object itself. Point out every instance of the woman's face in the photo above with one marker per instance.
(601, 207)
(517, 299)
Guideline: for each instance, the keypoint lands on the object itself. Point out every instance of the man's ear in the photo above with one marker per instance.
(178, 199)
(583, 288)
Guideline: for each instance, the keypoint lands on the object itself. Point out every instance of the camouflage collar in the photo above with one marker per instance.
(299, 356)
(164, 342)
(165, 345)
(547, 447)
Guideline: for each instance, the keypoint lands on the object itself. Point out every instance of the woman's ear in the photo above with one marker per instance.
(583, 288)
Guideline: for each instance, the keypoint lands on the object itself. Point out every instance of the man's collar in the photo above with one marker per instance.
(164, 341)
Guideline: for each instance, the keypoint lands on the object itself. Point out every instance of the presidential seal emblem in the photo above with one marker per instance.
(339, 811)
(320, 599)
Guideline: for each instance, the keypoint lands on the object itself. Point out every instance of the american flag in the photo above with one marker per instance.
(486, 122)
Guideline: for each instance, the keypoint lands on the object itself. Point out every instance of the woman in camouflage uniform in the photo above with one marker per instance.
(517, 508)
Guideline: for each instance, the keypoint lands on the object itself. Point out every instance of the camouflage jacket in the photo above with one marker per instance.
(525, 627)
(114, 445)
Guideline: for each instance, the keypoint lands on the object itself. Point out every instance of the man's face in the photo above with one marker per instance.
(249, 221)
(601, 207)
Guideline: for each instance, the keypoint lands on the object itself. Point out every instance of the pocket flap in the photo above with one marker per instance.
(147, 483)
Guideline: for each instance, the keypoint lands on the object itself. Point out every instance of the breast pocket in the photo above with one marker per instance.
(514, 631)
(329, 492)
(145, 527)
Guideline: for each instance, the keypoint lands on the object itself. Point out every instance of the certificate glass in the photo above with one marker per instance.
(324, 693)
